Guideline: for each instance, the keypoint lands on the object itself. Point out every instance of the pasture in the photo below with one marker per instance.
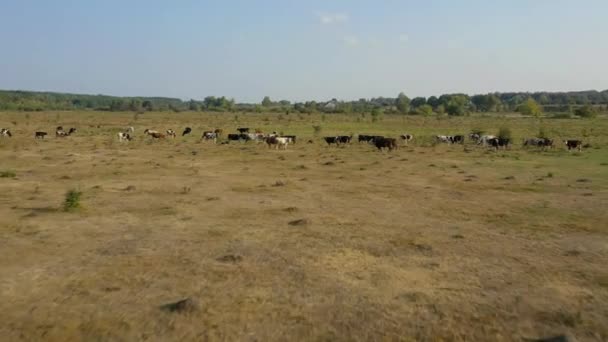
(427, 242)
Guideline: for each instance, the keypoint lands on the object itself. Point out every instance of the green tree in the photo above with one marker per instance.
(266, 102)
(433, 101)
(586, 111)
(457, 105)
(417, 102)
(403, 103)
(193, 106)
(424, 110)
(530, 107)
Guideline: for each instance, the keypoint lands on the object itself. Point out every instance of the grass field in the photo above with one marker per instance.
(314, 243)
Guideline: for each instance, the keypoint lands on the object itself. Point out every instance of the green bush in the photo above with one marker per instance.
(586, 111)
(72, 200)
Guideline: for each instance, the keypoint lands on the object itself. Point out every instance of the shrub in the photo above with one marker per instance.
(72, 200)
(586, 111)
(504, 133)
(8, 174)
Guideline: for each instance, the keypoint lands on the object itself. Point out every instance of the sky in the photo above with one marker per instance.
(302, 50)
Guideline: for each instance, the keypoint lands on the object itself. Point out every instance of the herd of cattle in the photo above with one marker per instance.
(280, 141)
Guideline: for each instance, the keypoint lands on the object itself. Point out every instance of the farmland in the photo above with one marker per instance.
(427, 242)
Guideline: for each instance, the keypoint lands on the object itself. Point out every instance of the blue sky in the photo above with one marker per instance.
(299, 50)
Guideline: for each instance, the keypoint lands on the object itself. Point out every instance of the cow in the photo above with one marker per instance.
(344, 139)
(40, 135)
(60, 133)
(154, 134)
(446, 139)
(171, 133)
(475, 136)
(186, 131)
(366, 138)
(5, 132)
(574, 144)
(292, 138)
(539, 142)
(122, 136)
(407, 138)
(389, 143)
(499, 142)
(234, 137)
(243, 130)
(331, 140)
(208, 135)
(457, 139)
(484, 140)
(279, 142)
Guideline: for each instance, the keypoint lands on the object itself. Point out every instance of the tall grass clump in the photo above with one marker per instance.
(72, 200)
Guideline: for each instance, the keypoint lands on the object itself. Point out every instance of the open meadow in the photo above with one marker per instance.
(428, 242)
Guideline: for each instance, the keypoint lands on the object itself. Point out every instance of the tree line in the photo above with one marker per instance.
(584, 103)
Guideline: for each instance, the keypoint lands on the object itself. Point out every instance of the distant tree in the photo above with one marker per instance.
(403, 103)
(266, 102)
(424, 110)
(530, 107)
(148, 105)
(135, 105)
(486, 103)
(457, 105)
(193, 106)
(433, 101)
(417, 102)
(586, 111)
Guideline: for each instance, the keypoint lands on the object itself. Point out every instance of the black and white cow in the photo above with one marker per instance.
(122, 136)
(344, 139)
(171, 133)
(407, 138)
(499, 142)
(208, 135)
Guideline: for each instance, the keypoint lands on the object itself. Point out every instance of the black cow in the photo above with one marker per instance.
(382, 143)
(234, 137)
(366, 138)
(457, 139)
(574, 144)
(331, 140)
(344, 139)
(187, 131)
(40, 135)
(243, 130)
(499, 142)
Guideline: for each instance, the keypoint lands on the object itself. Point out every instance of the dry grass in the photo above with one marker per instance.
(312, 243)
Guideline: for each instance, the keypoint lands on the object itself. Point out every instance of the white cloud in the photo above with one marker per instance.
(403, 38)
(351, 41)
(332, 18)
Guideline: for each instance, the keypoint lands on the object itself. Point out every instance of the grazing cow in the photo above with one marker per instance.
(292, 138)
(187, 131)
(443, 139)
(574, 144)
(5, 132)
(40, 135)
(234, 137)
(171, 133)
(60, 133)
(344, 139)
(279, 142)
(154, 134)
(366, 138)
(485, 139)
(243, 130)
(389, 143)
(499, 142)
(457, 139)
(407, 138)
(208, 135)
(122, 136)
(332, 140)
